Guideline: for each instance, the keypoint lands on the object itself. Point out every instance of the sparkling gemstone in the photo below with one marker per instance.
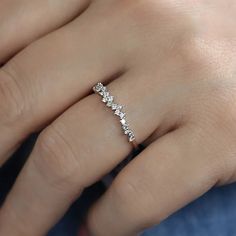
(131, 136)
(110, 98)
(104, 99)
(117, 112)
(103, 91)
(123, 121)
(107, 97)
(125, 127)
(98, 87)
(122, 115)
(109, 103)
(127, 131)
(114, 106)
(119, 107)
(106, 94)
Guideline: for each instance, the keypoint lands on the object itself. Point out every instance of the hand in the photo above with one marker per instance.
(172, 64)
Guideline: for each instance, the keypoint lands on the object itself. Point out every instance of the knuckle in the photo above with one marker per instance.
(12, 102)
(56, 157)
(126, 188)
(132, 196)
(49, 142)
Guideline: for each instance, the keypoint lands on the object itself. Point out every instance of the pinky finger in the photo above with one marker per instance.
(164, 178)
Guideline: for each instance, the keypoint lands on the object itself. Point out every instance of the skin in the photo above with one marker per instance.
(173, 66)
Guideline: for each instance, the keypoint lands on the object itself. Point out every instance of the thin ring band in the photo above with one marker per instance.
(118, 110)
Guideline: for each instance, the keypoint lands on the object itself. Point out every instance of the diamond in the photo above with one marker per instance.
(104, 99)
(109, 104)
(119, 107)
(131, 136)
(103, 91)
(123, 121)
(98, 87)
(122, 115)
(125, 127)
(117, 112)
(114, 106)
(107, 97)
(110, 100)
(106, 94)
(127, 131)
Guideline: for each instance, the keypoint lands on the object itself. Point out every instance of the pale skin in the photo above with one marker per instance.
(172, 64)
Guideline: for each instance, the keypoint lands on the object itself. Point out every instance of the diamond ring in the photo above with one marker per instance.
(118, 110)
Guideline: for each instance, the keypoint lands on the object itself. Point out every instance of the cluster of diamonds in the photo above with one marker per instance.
(108, 99)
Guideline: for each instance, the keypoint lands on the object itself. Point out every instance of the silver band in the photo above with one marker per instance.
(118, 110)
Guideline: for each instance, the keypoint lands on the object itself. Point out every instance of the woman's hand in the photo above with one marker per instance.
(172, 64)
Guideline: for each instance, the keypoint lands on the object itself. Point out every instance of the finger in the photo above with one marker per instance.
(53, 73)
(79, 148)
(21, 22)
(165, 177)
